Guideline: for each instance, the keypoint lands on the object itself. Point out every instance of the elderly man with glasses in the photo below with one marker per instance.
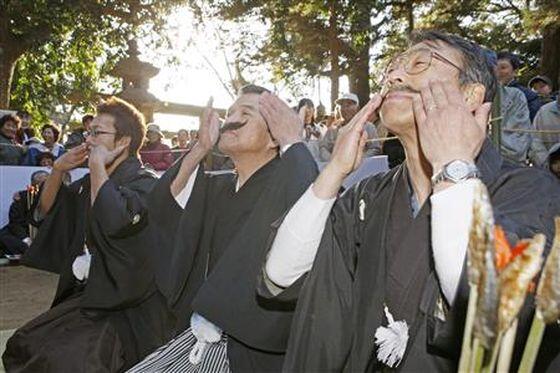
(393, 248)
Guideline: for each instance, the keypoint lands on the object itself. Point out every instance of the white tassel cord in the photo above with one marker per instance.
(391, 341)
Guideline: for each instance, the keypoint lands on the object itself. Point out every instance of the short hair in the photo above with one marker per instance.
(54, 128)
(37, 173)
(44, 155)
(87, 117)
(183, 130)
(305, 102)
(252, 88)
(10, 118)
(512, 58)
(128, 121)
(476, 68)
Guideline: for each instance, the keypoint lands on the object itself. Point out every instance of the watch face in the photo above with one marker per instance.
(457, 170)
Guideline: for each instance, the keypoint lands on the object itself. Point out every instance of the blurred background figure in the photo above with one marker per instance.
(46, 159)
(543, 86)
(11, 153)
(51, 134)
(554, 160)
(26, 133)
(182, 146)
(17, 235)
(155, 153)
(78, 136)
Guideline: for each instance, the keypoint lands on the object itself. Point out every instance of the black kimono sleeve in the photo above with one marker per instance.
(525, 207)
(321, 332)
(57, 240)
(121, 274)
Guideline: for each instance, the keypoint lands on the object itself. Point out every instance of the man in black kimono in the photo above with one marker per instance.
(96, 234)
(217, 227)
(394, 246)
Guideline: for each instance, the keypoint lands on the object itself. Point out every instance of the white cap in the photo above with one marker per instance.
(348, 96)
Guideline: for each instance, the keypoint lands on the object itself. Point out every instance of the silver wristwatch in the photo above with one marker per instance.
(455, 172)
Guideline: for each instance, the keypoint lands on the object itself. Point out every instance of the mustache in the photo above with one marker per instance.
(401, 88)
(231, 126)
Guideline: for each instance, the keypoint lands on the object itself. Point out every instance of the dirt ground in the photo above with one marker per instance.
(24, 294)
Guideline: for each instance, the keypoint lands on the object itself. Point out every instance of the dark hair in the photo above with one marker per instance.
(305, 102)
(9, 118)
(128, 121)
(22, 113)
(252, 88)
(182, 130)
(54, 128)
(44, 155)
(476, 68)
(34, 174)
(512, 58)
(86, 118)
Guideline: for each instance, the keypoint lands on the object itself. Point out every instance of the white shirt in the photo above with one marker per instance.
(295, 246)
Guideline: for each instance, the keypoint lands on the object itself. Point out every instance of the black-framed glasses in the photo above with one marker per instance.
(94, 132)
(417, 61)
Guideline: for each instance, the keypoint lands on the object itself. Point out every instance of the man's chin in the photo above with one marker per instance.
(396, 117)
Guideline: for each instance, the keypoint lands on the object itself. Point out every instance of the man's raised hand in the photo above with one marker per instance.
(209, 130)
(351, 139)
(284, 124)
(101, 156)
(446, 127)
(73, 158)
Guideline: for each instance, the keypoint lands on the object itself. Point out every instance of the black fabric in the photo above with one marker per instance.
(121, 285)
(340, 304)
(12, 234)
(219, 248)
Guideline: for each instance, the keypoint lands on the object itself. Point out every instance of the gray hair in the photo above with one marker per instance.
(476, 68)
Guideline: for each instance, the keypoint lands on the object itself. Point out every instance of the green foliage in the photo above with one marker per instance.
(66, 48)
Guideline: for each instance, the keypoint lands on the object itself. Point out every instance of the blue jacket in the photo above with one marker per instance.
(533, 100)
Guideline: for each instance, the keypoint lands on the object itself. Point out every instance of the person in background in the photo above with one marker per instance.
(547, 119)
(26, 134)
(155, 153)
(193, 138)
(182, 146)
(542, 85)
(15, 237)
(46, 159)
(78, 136)
(347, 107)
(306, 112)
(554, 160)
(11, 153)
(51, 134)
(507, 68)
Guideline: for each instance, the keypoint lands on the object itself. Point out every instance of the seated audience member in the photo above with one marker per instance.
(11, 153)
(154, 153)
(15, 237)
(182, 146)
(51, 134)
(45, 159)
(306, 112)
(26, 133)
(96, 234)
(348, 105)
(507, 68)
(542, 85)
(78, 136)
(547, 119)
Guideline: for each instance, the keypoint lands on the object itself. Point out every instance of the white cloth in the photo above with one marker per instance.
(183, 197)
(295, 246)
(80, 266)
(451, 221)
(206, 333)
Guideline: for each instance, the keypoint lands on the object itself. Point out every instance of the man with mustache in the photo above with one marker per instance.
(216, 228)
(96, 234)
(393, 248)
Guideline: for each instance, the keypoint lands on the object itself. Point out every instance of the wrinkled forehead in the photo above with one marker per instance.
(248, 102)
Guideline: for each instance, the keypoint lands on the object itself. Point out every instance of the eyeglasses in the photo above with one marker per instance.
(94, 132)
(416, 61)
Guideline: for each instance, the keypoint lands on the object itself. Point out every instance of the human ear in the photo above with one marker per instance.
(474, 95)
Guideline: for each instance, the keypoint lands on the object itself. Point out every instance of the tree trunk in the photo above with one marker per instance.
(359, 65)
(550, 53)
(335, 52)
(7, 65)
